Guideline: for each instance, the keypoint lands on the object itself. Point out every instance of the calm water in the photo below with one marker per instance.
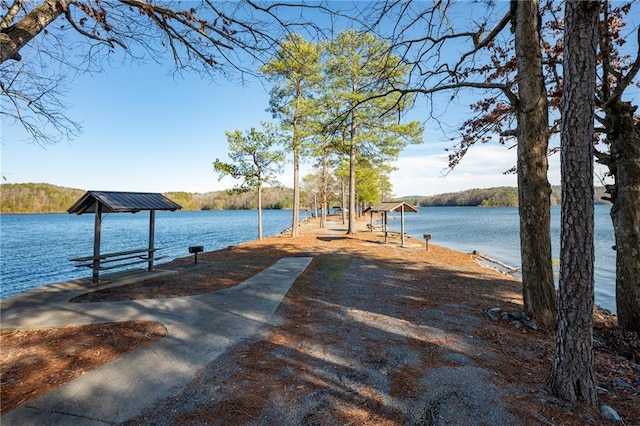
(35, 249)
(495, 233)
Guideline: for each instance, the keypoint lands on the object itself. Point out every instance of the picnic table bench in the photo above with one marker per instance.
(120, 259)
(375, 227)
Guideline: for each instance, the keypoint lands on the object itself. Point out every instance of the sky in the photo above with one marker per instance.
(148, 131)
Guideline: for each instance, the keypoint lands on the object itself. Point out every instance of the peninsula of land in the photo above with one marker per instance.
(368, 333)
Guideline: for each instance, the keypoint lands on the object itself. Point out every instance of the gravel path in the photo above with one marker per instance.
(358, 343)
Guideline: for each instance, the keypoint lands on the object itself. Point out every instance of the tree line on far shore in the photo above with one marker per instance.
(503, 196)
(47, 198)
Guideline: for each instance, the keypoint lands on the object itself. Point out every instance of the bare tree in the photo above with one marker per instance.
(424, 36)
(533, 186)
(43, 44)
(621, 155)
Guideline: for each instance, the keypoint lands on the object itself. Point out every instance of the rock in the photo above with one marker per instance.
(638, 367)
(519, 315)
(606, 386)
(600, 342)
(609, 413)
(531, 324)
(491, 313)
(623, 384)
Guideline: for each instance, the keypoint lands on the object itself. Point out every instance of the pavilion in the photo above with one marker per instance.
(100, 202)
(391, 206)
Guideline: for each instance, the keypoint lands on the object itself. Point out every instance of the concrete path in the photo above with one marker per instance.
(200, 328)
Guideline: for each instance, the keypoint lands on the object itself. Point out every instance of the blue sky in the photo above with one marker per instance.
(144, 130)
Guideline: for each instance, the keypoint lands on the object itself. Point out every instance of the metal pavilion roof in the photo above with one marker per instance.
(122, 202)
(392, 206)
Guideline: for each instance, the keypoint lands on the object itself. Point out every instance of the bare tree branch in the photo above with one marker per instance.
(12, 12)
(209, 37)
(16, 36)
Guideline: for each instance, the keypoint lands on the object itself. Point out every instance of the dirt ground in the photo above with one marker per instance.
(363, 337)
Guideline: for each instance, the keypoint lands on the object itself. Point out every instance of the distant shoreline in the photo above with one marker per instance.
(22, 198)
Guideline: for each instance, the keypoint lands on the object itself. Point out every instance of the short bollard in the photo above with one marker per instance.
(427, 237)
(195, 250)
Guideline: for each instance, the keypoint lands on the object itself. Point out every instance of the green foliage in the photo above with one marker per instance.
(254, 157)
(358, 69)
(272, 198)
(295, 72)
(372, 182)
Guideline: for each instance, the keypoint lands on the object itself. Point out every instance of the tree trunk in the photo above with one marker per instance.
(259, 211)
(353, 164)
(296, 192)
(324, 204)
(296, 164)
(343, 211)
(624, 142)
(533, 186)
(351, 229)
(572, 374)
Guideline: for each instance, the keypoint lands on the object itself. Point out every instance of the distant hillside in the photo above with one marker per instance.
(46, 198)
(36, 198)
(488, 197)
(272, 198)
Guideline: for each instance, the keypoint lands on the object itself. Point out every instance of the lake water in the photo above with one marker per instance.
(494, 231)
(35, 249)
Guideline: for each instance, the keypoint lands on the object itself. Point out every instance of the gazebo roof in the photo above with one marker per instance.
(392, 206)
(122, 202)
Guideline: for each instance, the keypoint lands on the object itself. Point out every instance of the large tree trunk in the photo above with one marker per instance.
(533, 186)
(572, 375)
(353, 164)
(259, 211)
(296, 164)
(624, 163)
(351, 229)
(296, 192)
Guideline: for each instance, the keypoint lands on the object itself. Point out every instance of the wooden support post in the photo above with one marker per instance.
(152, 223)
(402, 225)
(96, 243)
(427, 237)
(385, 227)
